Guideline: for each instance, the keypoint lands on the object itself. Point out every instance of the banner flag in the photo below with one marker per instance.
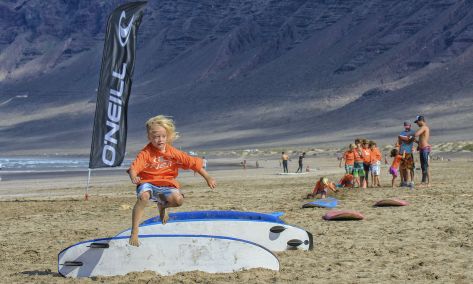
(118, 62)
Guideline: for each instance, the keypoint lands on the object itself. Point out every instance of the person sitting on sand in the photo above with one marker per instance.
(347, 181)
(349, 157)
(154, 171)
(394, 169)
(321, 187)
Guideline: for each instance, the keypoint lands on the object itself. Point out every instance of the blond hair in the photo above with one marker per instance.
(167, 123)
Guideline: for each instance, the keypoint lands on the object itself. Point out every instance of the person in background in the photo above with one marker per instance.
(375, 164)
(406, 150)
(394, 169)
(301, 158)
(321, 187)
(424, 148)
(349, 157)
(366, 155)
(347, 181)
(284, 158)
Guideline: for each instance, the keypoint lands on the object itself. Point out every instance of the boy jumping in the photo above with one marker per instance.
(154, 171)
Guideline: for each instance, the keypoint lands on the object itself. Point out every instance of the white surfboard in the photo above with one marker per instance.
(267, 230)
(292, 174)
(163, 254)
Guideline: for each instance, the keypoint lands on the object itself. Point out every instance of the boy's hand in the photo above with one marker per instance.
(211, 182)
(135, 180)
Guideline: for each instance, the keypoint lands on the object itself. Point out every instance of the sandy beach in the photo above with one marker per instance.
(428, 241)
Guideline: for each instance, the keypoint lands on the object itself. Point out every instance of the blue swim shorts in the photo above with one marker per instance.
(156, 191)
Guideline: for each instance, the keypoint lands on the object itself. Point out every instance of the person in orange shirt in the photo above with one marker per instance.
(155, 169)
(358, 171)
(321, 187)
(366, 155)
(347, 181)
(375, 164)
(349, 157)
(394, 169)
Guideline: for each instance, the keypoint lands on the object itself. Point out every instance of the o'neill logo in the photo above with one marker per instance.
(124, 32)
(114, 114)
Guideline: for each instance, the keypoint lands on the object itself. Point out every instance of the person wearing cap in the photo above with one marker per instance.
(321, 187)
(406, 149)
(424, 148)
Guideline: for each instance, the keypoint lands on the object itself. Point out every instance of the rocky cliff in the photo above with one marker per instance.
(240, 73)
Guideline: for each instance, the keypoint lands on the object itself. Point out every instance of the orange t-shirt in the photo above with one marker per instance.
(161, 169)
(396, 161)
(366, 154)
(375, 156)
(349, 157)
(347, 180)
(320, 186)
(358, 157)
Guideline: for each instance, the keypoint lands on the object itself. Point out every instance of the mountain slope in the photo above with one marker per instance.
(241, 73)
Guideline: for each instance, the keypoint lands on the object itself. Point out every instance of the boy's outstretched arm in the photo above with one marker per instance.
(210, 180)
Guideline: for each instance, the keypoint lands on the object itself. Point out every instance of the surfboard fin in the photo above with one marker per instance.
(277, 229)
(73, 263)
(294, 243)
(99, 245)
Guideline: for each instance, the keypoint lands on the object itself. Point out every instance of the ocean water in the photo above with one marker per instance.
(46, 163)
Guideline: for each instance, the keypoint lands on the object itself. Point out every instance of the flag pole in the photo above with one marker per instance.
(86, 197)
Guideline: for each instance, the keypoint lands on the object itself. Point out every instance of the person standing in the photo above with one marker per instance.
(406, 149)
(366, 155)
(424, 148)
(349, 157)
(284, 158)
(301, 158)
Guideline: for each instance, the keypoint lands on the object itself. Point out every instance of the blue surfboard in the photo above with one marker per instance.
(218, 215)
(328, 202)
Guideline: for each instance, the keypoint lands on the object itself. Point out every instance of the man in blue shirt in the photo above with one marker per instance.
(406, 147)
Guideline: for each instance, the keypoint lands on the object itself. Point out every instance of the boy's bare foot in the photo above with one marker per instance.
(134, 240)
(163, 214)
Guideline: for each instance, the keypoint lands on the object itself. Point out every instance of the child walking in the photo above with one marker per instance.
(393, 170)
(155, 169)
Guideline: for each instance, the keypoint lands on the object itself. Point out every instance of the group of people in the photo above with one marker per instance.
(403, 154)
(363, 159)
(285, 159)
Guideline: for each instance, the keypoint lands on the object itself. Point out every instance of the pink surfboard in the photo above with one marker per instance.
(343, 215)
(391, 202)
